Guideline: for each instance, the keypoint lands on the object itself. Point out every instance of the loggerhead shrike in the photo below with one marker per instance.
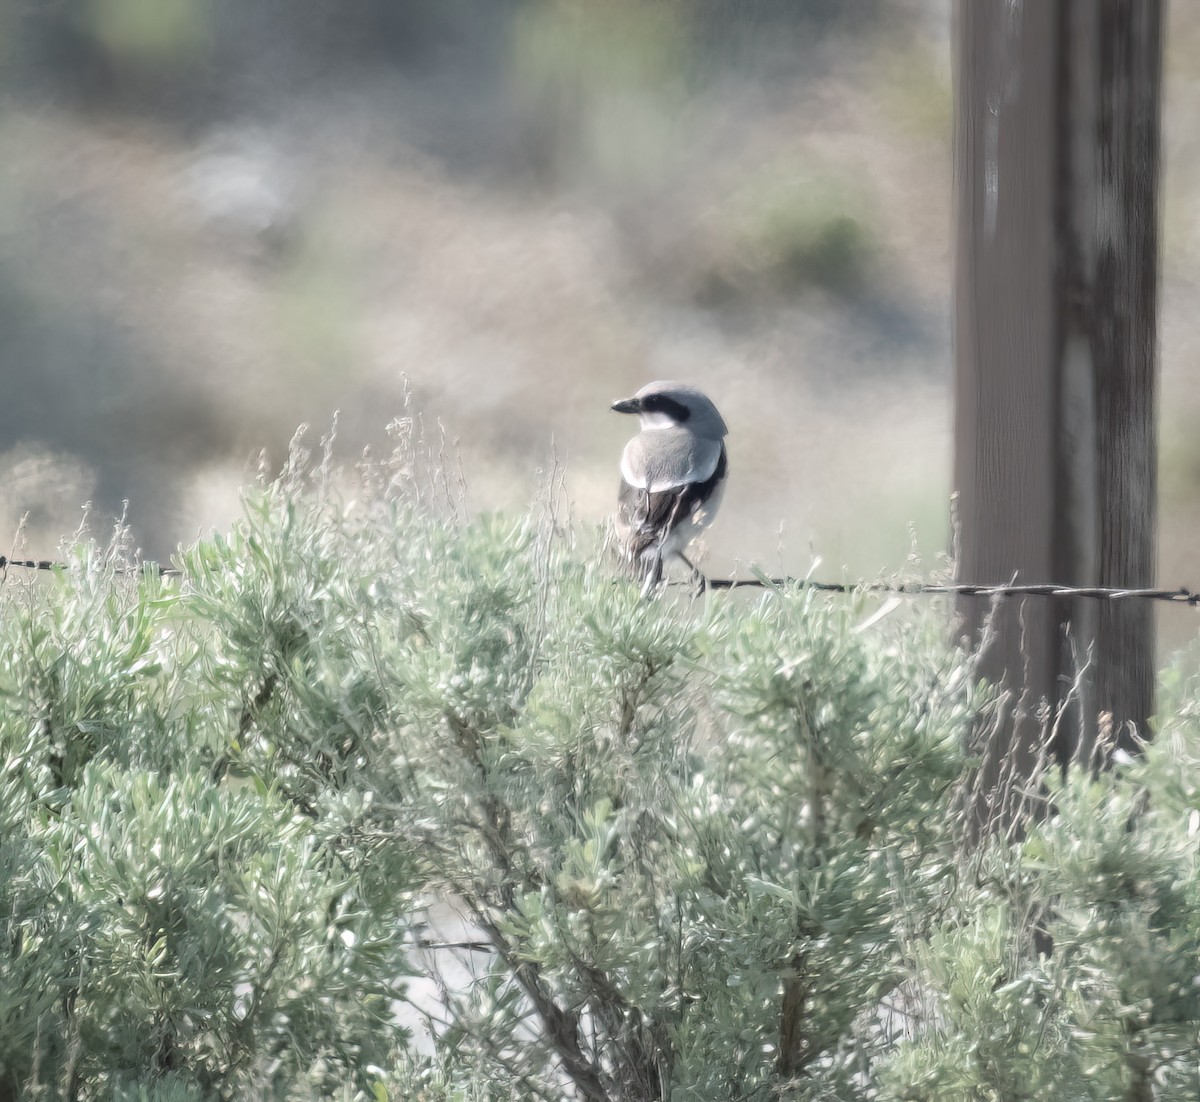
(672, 476)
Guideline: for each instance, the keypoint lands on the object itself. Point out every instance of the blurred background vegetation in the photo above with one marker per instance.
(221, 219)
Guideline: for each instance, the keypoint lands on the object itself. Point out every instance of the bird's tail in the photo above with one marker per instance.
(651, 567)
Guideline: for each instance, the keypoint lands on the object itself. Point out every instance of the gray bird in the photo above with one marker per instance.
(672, 476)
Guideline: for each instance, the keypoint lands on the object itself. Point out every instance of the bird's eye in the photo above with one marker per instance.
(651, 404)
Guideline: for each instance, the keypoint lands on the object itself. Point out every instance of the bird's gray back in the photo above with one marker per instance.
(661, 459)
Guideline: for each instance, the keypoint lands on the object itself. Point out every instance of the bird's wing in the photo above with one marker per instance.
(645, 517)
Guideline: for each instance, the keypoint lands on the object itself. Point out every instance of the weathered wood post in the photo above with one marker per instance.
(1057, 106)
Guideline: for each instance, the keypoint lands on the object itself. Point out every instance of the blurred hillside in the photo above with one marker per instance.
(219, 220)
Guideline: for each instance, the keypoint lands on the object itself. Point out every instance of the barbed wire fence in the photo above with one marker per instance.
(1181, 595)
(52, 564)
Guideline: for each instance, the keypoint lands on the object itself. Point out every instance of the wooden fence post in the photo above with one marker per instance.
(1057, 107)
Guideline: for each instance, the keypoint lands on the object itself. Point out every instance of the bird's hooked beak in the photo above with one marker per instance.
(628, 405)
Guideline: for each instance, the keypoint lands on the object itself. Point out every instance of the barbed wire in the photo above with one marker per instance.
(1180, 596)
(51, 564)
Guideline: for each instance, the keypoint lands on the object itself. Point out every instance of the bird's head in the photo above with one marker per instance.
(666, 405)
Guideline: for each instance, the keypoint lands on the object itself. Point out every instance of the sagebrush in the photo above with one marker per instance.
(698, 848)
